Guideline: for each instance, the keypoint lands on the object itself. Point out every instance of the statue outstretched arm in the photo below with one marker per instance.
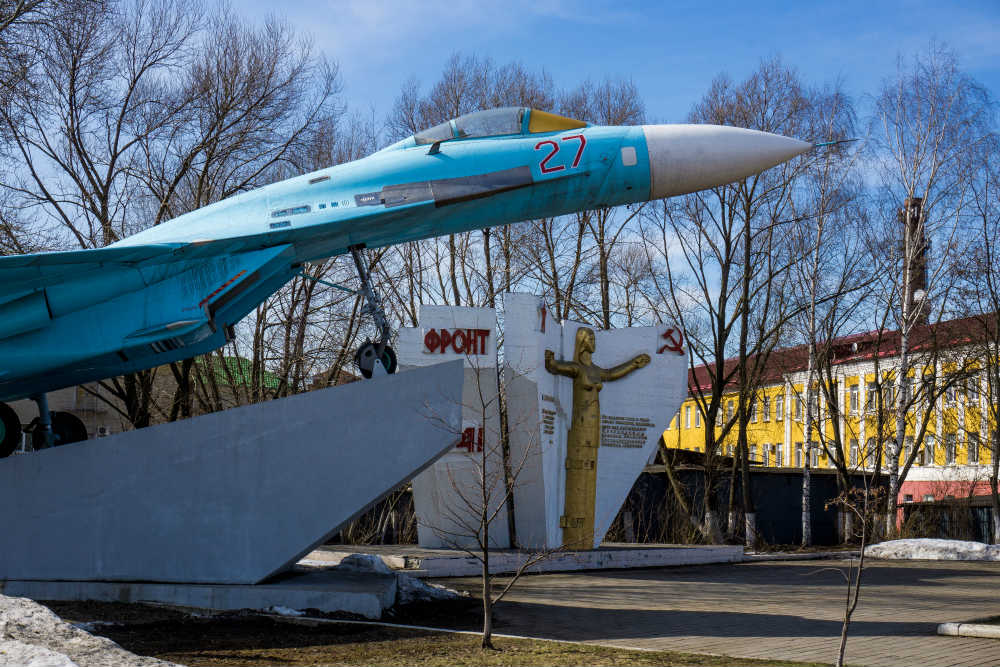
(567, 368)
(621, 370)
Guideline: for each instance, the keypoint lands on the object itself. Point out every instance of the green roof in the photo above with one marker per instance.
(239, 370)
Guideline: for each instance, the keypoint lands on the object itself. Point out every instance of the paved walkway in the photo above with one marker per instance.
(787, 610)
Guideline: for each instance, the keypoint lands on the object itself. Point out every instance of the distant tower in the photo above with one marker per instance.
(915, 247)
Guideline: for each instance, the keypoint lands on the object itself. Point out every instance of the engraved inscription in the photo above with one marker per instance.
(548, 422)
(627, 432)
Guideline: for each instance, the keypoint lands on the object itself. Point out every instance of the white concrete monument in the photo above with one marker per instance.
(586, 409)
(448, 496)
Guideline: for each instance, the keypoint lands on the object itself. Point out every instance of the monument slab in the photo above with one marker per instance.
(448, 495)
(232, 497)
(586, 411)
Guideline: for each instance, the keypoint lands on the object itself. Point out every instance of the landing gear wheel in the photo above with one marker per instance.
(366, 355)
(10, 430)
(66, 428)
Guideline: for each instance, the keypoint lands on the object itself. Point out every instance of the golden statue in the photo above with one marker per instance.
(584, 433)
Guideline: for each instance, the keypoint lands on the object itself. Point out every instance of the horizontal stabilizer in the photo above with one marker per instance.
(22, 273)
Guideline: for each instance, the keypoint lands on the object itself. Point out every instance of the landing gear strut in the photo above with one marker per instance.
(373, 358)
(52, 429)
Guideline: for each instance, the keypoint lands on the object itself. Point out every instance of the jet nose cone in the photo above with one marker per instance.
(688, 158)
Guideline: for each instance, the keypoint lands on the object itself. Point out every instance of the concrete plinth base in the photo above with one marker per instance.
(365, 594)
(419, 562)
(231, 497)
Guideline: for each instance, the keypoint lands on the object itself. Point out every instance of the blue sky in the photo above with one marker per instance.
(672, 50)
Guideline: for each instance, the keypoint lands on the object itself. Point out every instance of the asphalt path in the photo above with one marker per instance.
(777, 610)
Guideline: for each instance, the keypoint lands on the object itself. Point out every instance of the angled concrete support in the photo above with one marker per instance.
(230, 497)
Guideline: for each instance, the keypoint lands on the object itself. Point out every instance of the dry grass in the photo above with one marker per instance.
(258, 640)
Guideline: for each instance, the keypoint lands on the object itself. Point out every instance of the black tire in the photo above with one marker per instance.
(66, 428)
(389, 360)
(365, 357)
(10, 430)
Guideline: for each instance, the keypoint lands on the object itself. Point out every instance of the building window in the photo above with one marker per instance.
(753, 410)
(753, 452)
(928, 497)
(814, 407)
(798, 454)
(854, 452)
(870, 395)
(929, 451)
(779, 408)
(972, 390)
(798, 408)
(765, 452)
(907, 497)
(765, 408)
(908, 451)
(814, 454)
(687, 417)
(854, 399)
(949, 393)
(973, 447)
(729, 410)
(697, 418)
(949, 449)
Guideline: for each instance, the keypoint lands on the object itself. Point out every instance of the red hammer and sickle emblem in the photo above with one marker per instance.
(675, 341)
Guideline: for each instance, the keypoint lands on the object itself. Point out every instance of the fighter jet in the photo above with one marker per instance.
(176, 290)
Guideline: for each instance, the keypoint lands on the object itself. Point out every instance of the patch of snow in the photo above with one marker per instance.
(933, 549)
(285, 611)
(410, 589)
(25, 623)
(364, 563)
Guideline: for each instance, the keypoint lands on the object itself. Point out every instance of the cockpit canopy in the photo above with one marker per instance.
(497, 123)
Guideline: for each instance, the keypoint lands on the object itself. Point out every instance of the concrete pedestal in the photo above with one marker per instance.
(228, 498)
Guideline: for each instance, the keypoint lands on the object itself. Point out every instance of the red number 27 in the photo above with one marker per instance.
(554, 148)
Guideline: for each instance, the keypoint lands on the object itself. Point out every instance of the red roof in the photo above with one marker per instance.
(859, 347)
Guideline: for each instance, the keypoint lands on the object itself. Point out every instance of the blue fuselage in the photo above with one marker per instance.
(192, 278)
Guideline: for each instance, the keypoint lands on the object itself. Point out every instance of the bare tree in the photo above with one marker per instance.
(720, 265)
(140, 110)
(979, 299)
(828, 276)
(612, 102)
(929, 124)
(476, 501)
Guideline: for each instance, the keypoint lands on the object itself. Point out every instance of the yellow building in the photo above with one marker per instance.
(956, 436)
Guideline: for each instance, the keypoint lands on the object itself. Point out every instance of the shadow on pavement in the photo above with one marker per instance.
(596, 624)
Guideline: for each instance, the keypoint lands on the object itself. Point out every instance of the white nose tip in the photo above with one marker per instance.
(688, 158)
